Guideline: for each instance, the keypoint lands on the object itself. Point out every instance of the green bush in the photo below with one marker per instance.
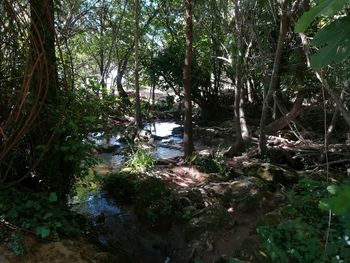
(140, 161)
(121, 186)
(150, 196)
(213, 164)
(87, 110)
(15, 243)
(39, 212)
(301, 235)
(153, 200)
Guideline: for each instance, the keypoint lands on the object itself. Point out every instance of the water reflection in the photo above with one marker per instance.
(97, 204)
(166, 153)
(161, 129)
(114, 160)
(99, 138)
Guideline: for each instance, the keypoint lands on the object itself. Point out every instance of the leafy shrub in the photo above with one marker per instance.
(293, 241)
(121, 186)
(85, 186)
(40, 212)
(150, 196)
(153, 200)
(87, 110)
(140, 161)
(301, 236)
(213, 164)
(15, 243)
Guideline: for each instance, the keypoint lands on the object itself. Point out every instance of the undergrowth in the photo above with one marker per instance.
(40, 213)
(303, 233)
(214, 163)
(150, 196)
(139, 161)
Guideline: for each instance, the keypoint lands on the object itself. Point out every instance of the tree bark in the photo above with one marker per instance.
(54, 171)
(239, 117)
(188, 133)
(137, 64)
(284, 24)
(284, 121)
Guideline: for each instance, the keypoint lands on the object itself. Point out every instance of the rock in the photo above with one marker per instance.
(65, 250)
(271, 173)
(178, 131)
(107, 148)
(247, 192)
(103, 169)
(211, 217)
(144, 136)
(196, 197)
(272, 218)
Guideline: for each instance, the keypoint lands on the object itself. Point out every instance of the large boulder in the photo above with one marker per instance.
(271, 173)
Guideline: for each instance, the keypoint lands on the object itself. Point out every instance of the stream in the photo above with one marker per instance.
(117, 228)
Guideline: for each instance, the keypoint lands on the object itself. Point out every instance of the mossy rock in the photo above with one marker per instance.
(192, 198)
(246, 192)
(272, 218)
(271, 173)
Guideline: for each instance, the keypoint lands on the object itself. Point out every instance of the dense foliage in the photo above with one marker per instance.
(304, 233)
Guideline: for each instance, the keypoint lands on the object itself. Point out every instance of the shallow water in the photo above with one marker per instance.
(97, 204)
(117, 227)
(161, 129)
(116, 161)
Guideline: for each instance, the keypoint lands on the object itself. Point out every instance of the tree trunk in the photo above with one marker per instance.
(53, 170)
(284, 24)
(137, 65)
(121, 92)
(284, 121)
(188, 133)
(240, 141)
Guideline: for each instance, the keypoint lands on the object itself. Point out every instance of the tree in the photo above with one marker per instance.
(287, 12)
(333, 40)
(241, 129)
(137, 63)
(53, 169)
(188, 130)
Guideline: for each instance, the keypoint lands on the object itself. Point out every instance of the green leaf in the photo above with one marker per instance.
(29, 204)
(13, 213)
(339, 202)
(332, 189)
(52, 197)
(47, 215)
(334, 41)
(345, 252)
(42, 231)
(323, 8)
